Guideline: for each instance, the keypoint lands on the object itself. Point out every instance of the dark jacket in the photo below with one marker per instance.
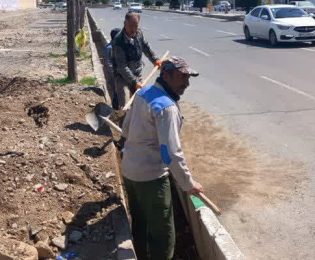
(127, 55)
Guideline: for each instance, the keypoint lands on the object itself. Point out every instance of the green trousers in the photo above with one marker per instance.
(151, 209)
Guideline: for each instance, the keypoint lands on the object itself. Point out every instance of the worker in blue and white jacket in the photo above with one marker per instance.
(152, 151)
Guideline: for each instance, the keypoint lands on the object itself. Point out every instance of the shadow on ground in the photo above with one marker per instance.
(98, 91)
(78, 126)
(97, 151)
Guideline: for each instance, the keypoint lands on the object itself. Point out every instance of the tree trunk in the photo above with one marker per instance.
(72, 65)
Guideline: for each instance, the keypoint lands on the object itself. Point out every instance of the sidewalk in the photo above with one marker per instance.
(238, 16)
(58, 188)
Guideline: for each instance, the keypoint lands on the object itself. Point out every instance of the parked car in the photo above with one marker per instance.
(60, 6)
(48, 5)
(117, 6)
(222, 6)
(279, 23)
(135, 7)
(307, 6)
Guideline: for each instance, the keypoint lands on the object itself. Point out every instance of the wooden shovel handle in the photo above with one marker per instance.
(111, 124)
(127, 106)
(209, 203)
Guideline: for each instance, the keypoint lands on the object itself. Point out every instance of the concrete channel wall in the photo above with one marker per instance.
(123, 239)
(212, 240)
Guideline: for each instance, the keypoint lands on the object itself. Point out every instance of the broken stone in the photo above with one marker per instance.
(110, 174)
(4, 129)
(61, 186)
(21, 121)
(53, 176)
(44, 251)
(67, 217)
(75, 236)
(2, 162)
(34, 230)
(14, 225)
(81, 195)
(60, 242)
(42, 236)
(59, 162)
(11, 248)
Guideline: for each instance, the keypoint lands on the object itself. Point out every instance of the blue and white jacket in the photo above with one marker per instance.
(152, 148)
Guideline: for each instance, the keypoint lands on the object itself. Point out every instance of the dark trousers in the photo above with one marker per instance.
(151, 209)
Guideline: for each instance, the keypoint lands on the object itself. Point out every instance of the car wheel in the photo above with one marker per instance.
(248, 37)
(273, 38)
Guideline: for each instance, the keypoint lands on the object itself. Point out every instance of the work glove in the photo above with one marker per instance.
(158, 63)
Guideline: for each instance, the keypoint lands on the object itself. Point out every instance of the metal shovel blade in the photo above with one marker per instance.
(92, 120)
(100, 115)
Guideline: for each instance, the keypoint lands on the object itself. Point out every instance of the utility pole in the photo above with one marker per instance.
(72, 65)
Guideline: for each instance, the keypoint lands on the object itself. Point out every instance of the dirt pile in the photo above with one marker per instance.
(57, 195)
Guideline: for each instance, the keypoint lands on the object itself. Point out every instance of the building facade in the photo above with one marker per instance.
(17, 4)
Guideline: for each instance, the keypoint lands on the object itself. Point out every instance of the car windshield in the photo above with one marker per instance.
(305, 4)
(288, 12)
(135, 5)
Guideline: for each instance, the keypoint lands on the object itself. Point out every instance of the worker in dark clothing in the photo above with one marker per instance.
(128, 46)
(109, 71)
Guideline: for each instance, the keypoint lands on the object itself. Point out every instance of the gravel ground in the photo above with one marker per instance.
(57, 181)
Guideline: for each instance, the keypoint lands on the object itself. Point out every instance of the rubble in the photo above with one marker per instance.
(67, 217)
(44, 251)
(60, 242)
(61, 186)
(43, 139)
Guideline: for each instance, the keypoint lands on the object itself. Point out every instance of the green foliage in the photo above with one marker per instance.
(83, 55)
(159, 3)
(174, 4)
(57, 55)
(147, 3)
(247, 3)
(88, 81)
(200, 3)
(63, 81)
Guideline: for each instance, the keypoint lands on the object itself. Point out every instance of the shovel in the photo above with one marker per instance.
(102, 113)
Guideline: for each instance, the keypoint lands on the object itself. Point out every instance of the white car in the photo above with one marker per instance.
(279, 23)
(135, 7)
(117, 6)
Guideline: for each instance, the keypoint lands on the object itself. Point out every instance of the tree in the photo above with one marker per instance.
(174, 4)
(147, 3)
(247, 4)
(159, 3)
(200, 4)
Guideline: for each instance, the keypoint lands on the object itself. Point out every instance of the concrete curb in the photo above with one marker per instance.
(218, 16)
(123, 239)
(211, 238)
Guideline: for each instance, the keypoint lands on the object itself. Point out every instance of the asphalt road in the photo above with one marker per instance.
(266, 95)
